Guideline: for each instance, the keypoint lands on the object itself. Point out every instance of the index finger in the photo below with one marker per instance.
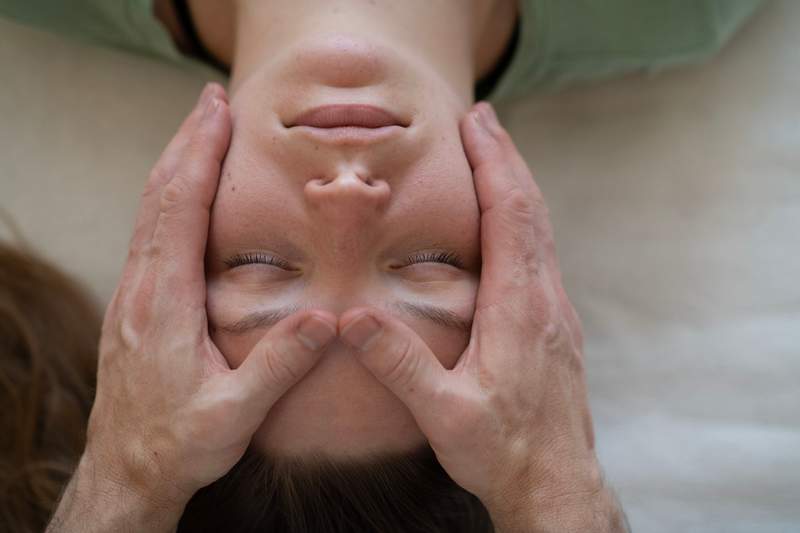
(181, 232)
(516, 237)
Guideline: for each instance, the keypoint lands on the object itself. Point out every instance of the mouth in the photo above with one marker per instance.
(348, 123)
(347, 116)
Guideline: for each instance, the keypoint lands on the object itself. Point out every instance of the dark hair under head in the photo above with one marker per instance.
(48, 351)
(386, 493)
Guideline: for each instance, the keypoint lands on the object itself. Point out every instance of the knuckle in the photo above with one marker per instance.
(559, 342)
(150, 251)
(148, 265)
(141, 255)
(553, 336)
(277, 371)
(404, 365)
(173, 194)
(129, 317)
(155, 182)
(519, 215)
(136, 248)
(521, 206)
(129, 337)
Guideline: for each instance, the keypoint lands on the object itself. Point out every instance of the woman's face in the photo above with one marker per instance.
(340, 218)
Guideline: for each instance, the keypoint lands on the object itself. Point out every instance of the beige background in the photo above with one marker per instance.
(676, 205)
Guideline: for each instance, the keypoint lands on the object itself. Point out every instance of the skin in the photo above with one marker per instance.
(346, 218)
(505, 408)
(526, 451)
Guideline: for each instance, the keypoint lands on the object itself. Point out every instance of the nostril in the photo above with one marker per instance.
(321, 181)
(347, 190)
(318, 182)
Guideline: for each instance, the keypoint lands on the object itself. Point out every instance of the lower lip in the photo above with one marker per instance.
(349, 135)
(347, 116)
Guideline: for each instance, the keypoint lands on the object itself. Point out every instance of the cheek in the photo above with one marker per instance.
(226, 307)
(446, 345)
(236, 347)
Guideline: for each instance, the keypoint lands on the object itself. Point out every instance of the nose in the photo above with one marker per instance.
(350, 195)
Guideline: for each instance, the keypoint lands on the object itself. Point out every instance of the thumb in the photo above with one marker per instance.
(283, 356)
(398, 358)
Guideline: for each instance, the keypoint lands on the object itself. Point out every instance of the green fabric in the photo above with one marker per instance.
(126, 24)
(560, 42)
(566, 41)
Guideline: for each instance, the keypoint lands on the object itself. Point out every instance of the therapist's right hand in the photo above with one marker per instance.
(170, 416)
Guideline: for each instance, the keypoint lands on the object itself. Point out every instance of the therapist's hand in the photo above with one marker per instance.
(510, 422)
(170, 416)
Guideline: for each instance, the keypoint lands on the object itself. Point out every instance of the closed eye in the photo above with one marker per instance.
(449, 258)
(250, 258)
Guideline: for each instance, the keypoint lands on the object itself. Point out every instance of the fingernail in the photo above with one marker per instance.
(479, 120)
(204, 96)
(362, 333)
(211, 107)
(315, 333)
(490, 115)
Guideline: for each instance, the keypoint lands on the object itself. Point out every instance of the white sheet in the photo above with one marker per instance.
(676, 206)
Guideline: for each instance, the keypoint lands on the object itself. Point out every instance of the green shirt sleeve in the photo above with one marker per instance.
(126, 24)
(565, 41)
(560, 42)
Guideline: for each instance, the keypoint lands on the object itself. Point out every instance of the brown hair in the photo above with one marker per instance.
(48, 352)
(387, 493)
(48, 344)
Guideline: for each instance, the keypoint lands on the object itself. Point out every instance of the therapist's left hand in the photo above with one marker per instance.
(510, 422)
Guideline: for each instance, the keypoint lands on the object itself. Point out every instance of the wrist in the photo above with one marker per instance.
(598, 512)
(95, 501)
(592, 511)
(583, 504)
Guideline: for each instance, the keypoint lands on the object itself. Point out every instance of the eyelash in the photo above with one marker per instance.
(252, 258)
(448, 258)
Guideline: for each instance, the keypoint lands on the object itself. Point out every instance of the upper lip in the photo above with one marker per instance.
(347, 116)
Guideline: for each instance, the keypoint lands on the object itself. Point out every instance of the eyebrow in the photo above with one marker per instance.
(433, 313)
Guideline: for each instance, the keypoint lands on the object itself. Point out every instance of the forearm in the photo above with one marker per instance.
(92, 503)
(598, 512)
